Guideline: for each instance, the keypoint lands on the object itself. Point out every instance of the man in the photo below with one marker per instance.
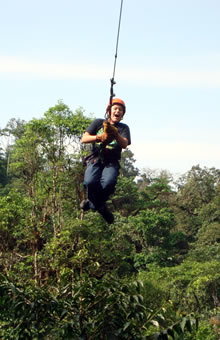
(108, 138)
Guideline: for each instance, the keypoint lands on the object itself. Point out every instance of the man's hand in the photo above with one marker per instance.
(110, 129)
(102, 137)
(109, 134)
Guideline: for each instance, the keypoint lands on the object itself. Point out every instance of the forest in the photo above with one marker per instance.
(64, 274)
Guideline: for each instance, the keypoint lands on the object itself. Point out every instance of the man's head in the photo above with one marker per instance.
(116, 111)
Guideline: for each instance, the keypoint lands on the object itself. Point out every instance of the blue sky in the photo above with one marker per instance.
(167, 71)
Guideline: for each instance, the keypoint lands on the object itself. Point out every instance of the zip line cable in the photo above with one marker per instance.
(116, 54)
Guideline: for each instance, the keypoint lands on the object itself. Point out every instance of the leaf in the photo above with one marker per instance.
(163, 336)
(161, 317)
(63, 314)
(178, 329)
(171, 333)
(126, 325)
(140, 283)
(197, 323)
(155, 323)
(135, 297)
(183, 323)
(188, 325)
(160, 336)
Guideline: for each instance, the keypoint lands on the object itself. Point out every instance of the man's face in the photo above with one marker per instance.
(117, 113)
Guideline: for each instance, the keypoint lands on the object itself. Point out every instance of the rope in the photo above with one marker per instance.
(116, 54)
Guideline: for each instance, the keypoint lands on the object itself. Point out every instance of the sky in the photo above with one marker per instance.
(167, 70)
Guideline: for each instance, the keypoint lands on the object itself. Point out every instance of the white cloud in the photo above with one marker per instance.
(176, 157)
(177, 150)
(172, 77)
(144, 76)
(46, 70)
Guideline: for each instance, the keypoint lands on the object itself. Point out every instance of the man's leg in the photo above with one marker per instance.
(108, 180)
(92, 184)
(100, 182)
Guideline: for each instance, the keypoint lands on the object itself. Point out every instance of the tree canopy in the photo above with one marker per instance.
(153, 274)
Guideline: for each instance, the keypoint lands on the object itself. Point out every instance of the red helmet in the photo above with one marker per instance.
(116, 101)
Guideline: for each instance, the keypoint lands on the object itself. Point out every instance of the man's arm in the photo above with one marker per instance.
(122, 141)
(88, 138)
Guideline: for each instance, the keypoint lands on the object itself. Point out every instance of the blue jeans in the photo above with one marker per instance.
(100, 181)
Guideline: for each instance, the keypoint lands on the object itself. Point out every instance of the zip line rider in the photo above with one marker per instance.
(108, 138)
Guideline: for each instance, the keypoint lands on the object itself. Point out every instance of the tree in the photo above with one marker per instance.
(47, 163)
(3, 171)
(68, 273)
(196, 190)
(13, 131)
(155, 189)
(127, 164)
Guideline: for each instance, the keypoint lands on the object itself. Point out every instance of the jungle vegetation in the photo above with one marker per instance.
(153, 274)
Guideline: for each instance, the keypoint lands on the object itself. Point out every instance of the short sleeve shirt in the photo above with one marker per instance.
(112, 151)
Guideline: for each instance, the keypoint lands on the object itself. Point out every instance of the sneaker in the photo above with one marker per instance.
(106, 214)
(84, 205)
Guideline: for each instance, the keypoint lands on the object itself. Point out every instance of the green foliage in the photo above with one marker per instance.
(155, 189)
(127, 164)
(14, 210)
(69, 275)
(205, 331)
(126, 197)
(106, 309)
(192, 285)
(196, 192)
(3, 170)
(154, 226)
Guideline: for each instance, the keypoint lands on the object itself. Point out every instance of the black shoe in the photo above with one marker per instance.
(106, 214)
(84, 205)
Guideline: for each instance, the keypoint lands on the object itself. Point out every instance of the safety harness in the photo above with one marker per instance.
(99, 152)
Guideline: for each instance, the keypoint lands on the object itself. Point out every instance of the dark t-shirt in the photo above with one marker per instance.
(112, 151)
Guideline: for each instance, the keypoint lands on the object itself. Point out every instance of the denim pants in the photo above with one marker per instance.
(100, 181)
